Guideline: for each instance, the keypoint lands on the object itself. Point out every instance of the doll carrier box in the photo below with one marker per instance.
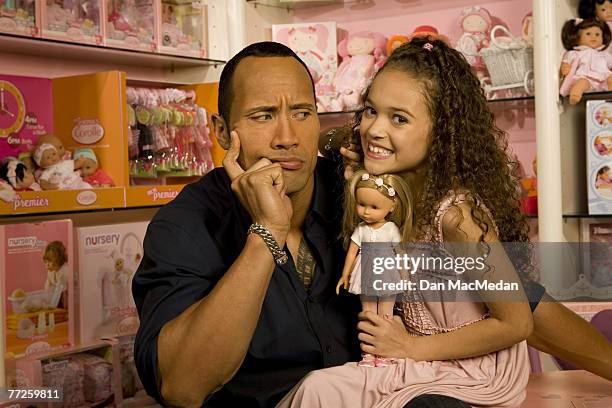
(132, 390)
(599, 156)
(182, 28)
(108, 257)
(20, 17)
(88, 375)
(509, 61)
(37, 284)
(131, 24)
(72, 21)
(316, 45)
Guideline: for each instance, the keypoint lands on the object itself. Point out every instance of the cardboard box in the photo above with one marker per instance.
(182, 28)
(74, 21)
(20, 17)
(131, 25)
(599, 156)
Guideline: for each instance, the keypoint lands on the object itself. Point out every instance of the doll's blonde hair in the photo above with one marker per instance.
(401, 214)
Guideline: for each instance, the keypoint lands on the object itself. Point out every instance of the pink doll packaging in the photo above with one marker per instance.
(19, 17)
(36, 266)
(131, 24)
(108, 257)
(133, 392)
(315, 44)
(599, 156)
(182, 28)
(72, 20)
(88, 375)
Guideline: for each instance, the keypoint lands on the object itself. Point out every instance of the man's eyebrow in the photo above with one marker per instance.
(304, 105)
(262, 108)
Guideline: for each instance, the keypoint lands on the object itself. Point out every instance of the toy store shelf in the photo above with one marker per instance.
(293, 4)
(36, 202)
(151, 195)
(59, 49)
(511, 100)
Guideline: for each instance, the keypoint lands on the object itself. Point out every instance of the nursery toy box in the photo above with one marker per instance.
(108, 257)
(36, 267)
(131, 24)
(599, 156)
(182, 28)
(20, 17)
(72, 21)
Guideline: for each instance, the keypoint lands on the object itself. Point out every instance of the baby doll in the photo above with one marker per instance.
(377, 209)
(599, 9)
(55, 142)
(18, 176)
(604, 178)
(584, 66)
(55, 259)
(88, 167)
(476, 23)
(57, 173)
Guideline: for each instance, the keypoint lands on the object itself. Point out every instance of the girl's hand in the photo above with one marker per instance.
(385, 337)
(343, 282)
(352, 158)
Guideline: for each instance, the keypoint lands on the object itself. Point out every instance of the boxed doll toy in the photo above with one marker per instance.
(133, 392)
(182, 28)
(315, 44)
(86, 375)
(108, 257)
(19, 17)
(599, 156)
(36, 267)
(130, 24)
(72, 20)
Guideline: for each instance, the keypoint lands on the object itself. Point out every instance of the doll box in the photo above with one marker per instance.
(133, 392)
(182, 28)
(20, 17)
(131, 25)
(599, 156)
(72, 21)
(108, 257)
(315, 44)
(38, 293)
(88, 375)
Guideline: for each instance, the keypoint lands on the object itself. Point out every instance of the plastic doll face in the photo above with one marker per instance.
(604, 11)
(592, 37)
(302, 41)
(474, 24)
(88, 167)
(395, 124)
(275, 115)
(360, 46)
(372, 205)
(55, 142)
(49, 158)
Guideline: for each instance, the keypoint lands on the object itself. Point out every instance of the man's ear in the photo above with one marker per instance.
(221, 131)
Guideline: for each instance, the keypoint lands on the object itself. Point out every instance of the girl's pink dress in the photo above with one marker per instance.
(493, 380)
(589, 63)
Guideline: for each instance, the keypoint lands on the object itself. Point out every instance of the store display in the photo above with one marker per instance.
(599, 156)
(363, 53)
(133, 393)
(108, 257)
(18, 175)
(586, 65)
(476, 25)
(57, 173)
(36, 267)
(315, 44)
(18, 17)
(131, 24)
(90, 170)
(169, 134)
(72, 20)
(598, 254)
(182, 28)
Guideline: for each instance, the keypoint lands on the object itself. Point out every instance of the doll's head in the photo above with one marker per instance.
(304, 39)
(604, 173)
(46, 155)
(55, 256)
(363, 43)
(87, 161)
(600, 9)
(418, 120)
(16, 174)
(26, 158)
(53, 141)
(589, 32)
(476, 20)
(372, 199)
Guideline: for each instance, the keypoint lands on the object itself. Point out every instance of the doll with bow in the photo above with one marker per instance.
(57, 173)
(585, 66)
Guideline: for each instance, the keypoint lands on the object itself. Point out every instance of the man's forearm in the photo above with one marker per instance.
(203, 347)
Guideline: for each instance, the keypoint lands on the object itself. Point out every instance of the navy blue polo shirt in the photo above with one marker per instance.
(189, 245)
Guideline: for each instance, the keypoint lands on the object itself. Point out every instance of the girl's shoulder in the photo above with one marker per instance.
(455, 198)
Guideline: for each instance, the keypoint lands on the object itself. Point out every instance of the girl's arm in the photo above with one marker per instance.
(348, 266)
(509, 323)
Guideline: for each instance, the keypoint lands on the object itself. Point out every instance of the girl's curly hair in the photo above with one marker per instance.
(467, 150)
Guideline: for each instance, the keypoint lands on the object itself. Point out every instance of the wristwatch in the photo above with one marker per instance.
(280, 256)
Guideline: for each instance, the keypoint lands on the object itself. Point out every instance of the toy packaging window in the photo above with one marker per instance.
(183, 28)
(19, 17)
(131, 24)
(72, 20)
(599, 156)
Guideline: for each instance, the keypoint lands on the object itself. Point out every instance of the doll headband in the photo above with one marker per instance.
(40, 150)
(578, 21)
(379, 183)
(85, 152)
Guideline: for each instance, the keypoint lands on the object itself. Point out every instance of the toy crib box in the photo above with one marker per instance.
(599, 156)
(36, 269)
(108, 257)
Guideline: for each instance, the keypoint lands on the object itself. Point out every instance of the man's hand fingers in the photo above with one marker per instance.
(230, 161)
(366, 338)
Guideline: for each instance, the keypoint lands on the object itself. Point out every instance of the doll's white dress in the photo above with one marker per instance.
(387, 233)
(62, 173)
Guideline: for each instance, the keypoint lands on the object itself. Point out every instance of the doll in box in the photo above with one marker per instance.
(90, 170)
(585, 65)
(54, 141)
(55, 259)
(57, 173)
(18, 176)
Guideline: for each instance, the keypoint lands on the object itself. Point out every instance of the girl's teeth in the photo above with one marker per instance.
(379, 150)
